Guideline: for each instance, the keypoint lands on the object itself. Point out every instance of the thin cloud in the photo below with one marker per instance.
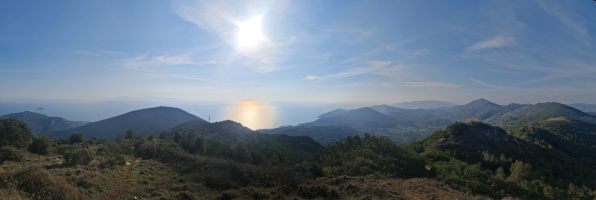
(146, 61)
(573, 69)
(433, 85)
(381, 68)
(492, 43)
(221, 17)
(578, 29)
(489, 85)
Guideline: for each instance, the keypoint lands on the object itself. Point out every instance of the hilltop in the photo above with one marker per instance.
(145, 122)
(40, 123)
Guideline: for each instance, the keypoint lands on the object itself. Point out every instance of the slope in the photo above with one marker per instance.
(144, 122)
(40, 123)
(231, 140)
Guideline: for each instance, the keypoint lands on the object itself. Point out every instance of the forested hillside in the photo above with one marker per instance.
(548, 159)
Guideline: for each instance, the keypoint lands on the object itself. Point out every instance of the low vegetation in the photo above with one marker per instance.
(463, 161)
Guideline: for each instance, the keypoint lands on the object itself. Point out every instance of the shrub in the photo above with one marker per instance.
(12, 193)
(39, 184)
(8, 153)
(117, 159)
(15, 133)
(78, 156)
(40, 145)
(76, 138)
(360, 156)
(130, 134)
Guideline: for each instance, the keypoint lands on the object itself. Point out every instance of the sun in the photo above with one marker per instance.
(249, 35)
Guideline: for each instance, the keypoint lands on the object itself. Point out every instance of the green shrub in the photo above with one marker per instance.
(15, 133)
(39, 184)
(117, 159)
(78, 156)
(360, 156)
(76, 138)
(40, 145)
(8, 153)
(130, 134)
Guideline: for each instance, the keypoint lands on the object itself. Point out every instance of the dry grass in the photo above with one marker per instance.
(151, 179)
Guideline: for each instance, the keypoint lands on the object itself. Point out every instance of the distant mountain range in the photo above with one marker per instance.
(40, 123)
(143, 122)
(584, 107)
(402, 125)
(408, 125)
(424, 104)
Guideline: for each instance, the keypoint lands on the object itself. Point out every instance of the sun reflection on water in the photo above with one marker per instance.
(252, 114)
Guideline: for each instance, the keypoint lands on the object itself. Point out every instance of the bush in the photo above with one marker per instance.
(39, 184)
(360, 156)
(76, 138)
(15, 133)
(8, 153)
(40, 145)
(117, 159)
(130, 134)
(78, 156)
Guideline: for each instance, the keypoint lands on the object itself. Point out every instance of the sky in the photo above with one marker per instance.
(364, 52)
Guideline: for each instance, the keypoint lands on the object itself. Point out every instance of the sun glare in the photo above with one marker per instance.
(250, 34)
(252, 114)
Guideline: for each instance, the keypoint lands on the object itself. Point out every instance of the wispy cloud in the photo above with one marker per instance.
(489, 85)
(146, 61)
(575, 25)
(562, 69)
(499, 41)
(433, 85)
(351, 35)
(381, 68)
(222, 18)
(96, 52)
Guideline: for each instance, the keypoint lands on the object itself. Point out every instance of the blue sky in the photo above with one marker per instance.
(310, 51)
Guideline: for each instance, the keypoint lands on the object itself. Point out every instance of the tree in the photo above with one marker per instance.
(130, 134)
(78, 156)
(40, 145)
(76, 138)
(14, 133)
(500, 173)
(519, 171)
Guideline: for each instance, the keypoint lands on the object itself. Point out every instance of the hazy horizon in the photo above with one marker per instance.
(283, 113)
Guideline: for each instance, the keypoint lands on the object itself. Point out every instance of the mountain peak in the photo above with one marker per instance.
(40, 123)
(144, 121)
(482, 101)
(27, 115)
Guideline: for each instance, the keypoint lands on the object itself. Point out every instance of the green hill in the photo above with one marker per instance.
(144, 122)
(538, 112)
(40, 123)
(321, 134)
(231, 140)
(532, 163)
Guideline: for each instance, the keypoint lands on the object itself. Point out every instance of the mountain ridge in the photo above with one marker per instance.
(409, 125)
(40, 123)
(143, 121)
